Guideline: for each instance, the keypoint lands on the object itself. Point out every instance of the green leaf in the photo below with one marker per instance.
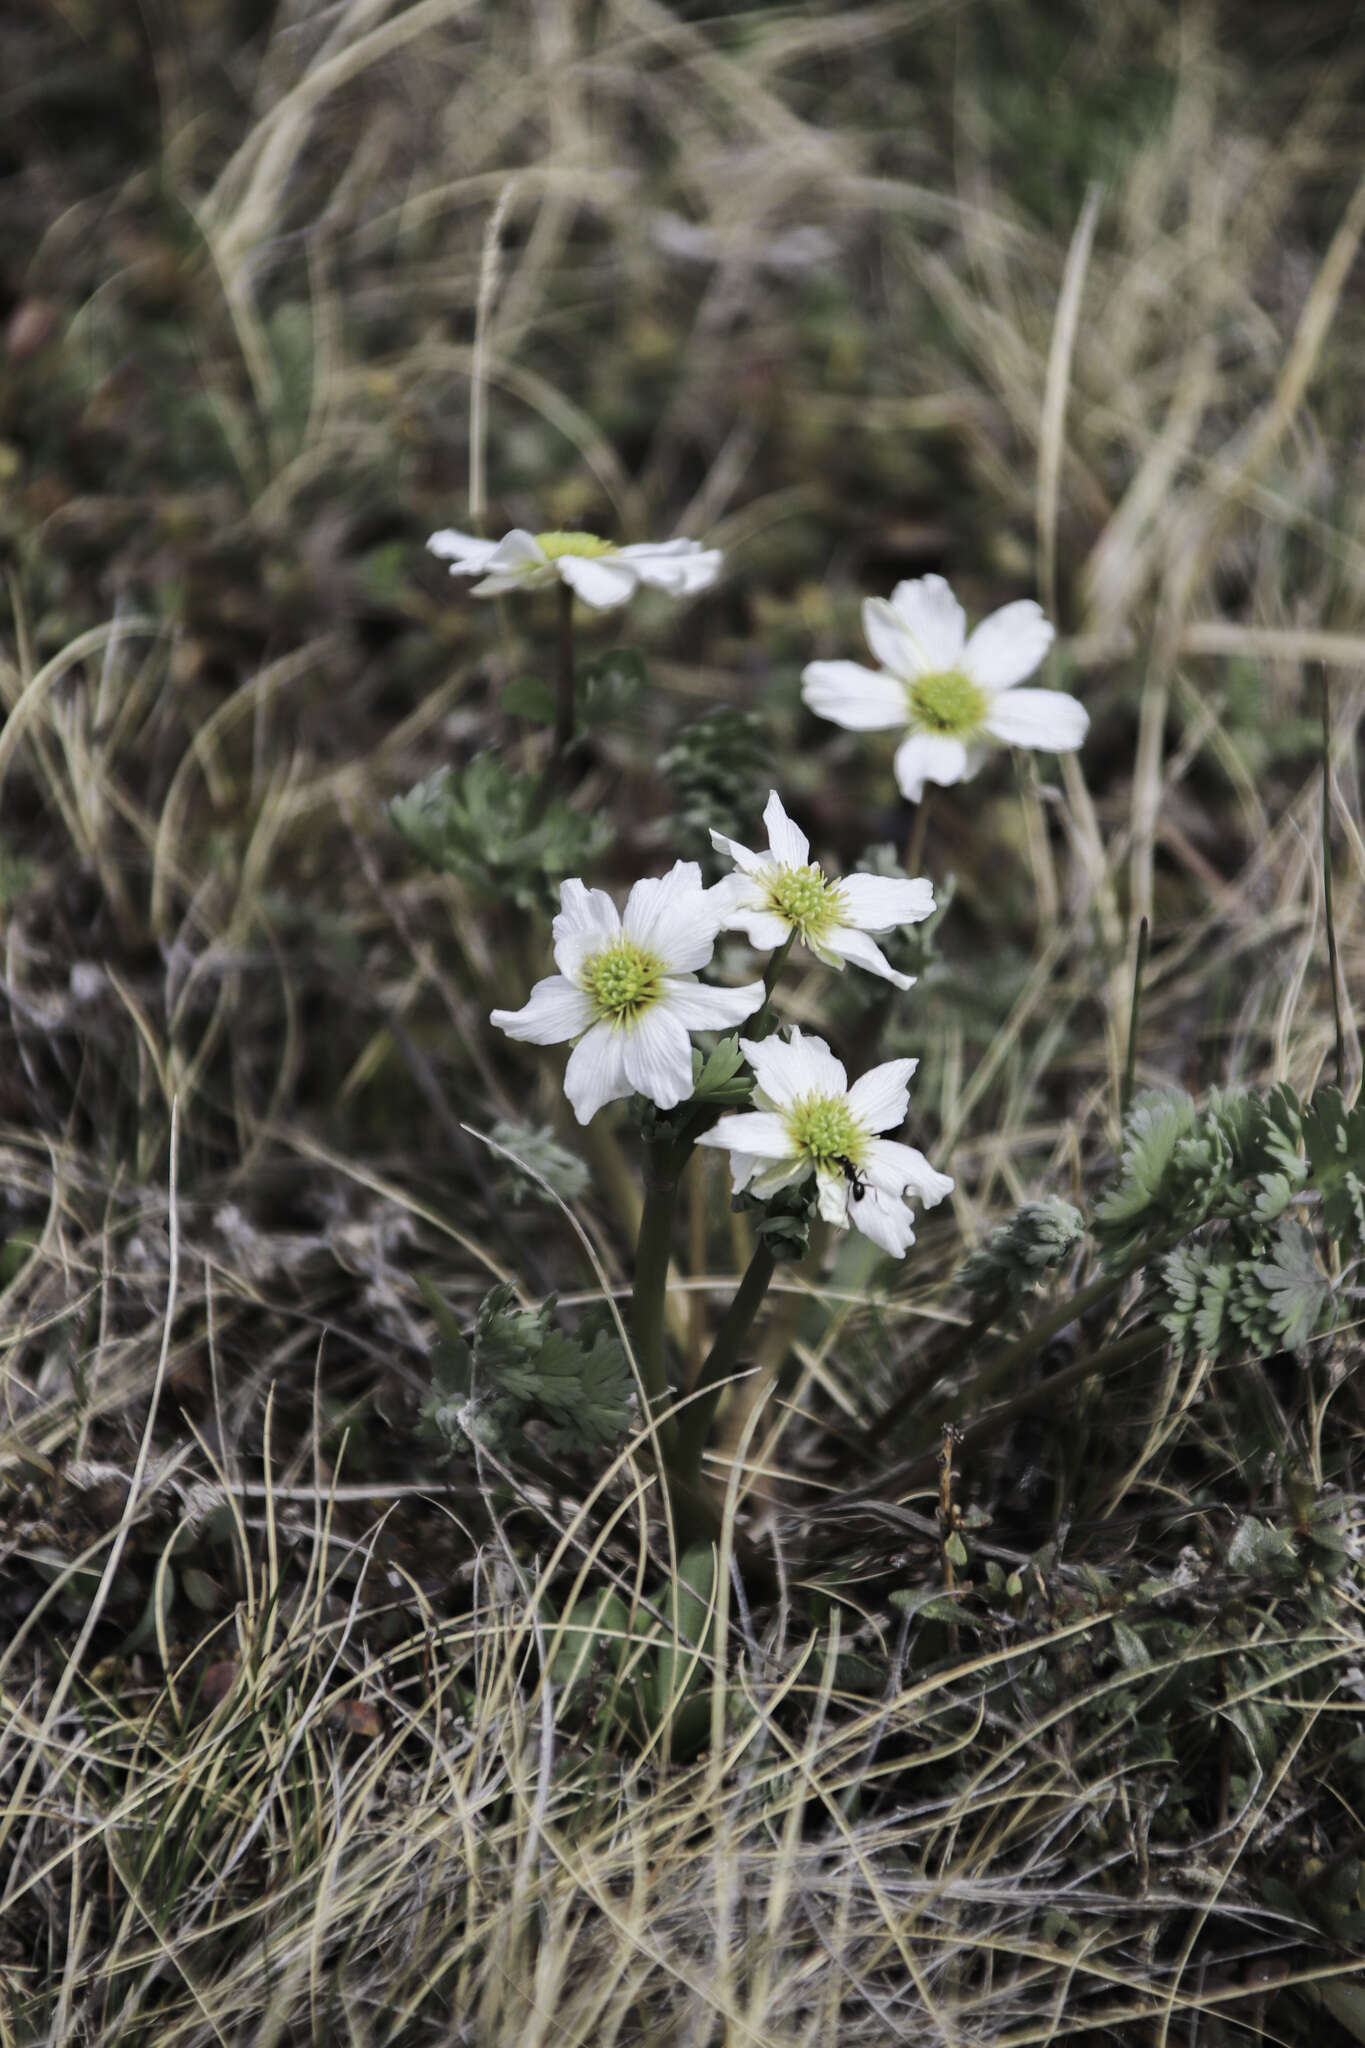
(596, 1630)
(1133, 1653)
(722, 1078)
(1300, 1294)
(1016, 1256)
(488, 824)
(1334, 1138)
(608, 685)
(955, 1549)
(1257, 1546)
(1154, 1126)
(529, 697)
(1346, 2003)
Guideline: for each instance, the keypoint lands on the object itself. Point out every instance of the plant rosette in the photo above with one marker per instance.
(809, 1121)
(955, 694)
(602, 574)
(776, 896)
(627, 991)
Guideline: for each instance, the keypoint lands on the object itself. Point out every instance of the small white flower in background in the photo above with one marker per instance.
(781, 893)
(954, 693)
(601, 574)
(809, 1120)
(627, 991)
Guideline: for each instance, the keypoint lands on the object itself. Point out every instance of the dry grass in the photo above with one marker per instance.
(855, 293)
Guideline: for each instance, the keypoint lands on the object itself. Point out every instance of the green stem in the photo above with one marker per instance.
(649, 1292)
(564, 681)
(764, 1020)
(1134, 1019)
(947, 1361)
(1022, 1353)
(1332, 968)
(565, 711)
(695, 1422)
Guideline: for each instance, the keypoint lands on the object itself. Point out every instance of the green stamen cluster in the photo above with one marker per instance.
(553, 545)
(949, 704)
(621, 981)
(809, 903)
(822, 1130)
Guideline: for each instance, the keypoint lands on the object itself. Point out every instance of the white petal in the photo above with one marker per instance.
(742, 1169)
(748, 863)
(533, 577)
(900, 1169)
(860, 699)
(929, 757)
(698, 1007)
(764, 929)
(518, 562)
(782, 1174)
(757, 1133)
(890, 640)
(658, 1055)
(934, 619)
(1008, 645)
(673, 917)
(880, 1098)
(847, 944)
(554, 1010)
(465, 551)
(1038, 718)
(587, 921)
(518, 550)
(602, 581)
(740, 891)
(596, 1072)
(832, 1196)
(785, 1072)
(877, 903)
(680, 567)
(790, 846)
(889, 1224)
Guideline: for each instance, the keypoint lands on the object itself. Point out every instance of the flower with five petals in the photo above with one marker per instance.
(808, 1120)
(775, 896)
(602, 574)
(955, 694)
(627, 991)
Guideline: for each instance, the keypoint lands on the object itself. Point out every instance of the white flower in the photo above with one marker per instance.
(626, 990)
(781, 894)
(809, 1120)
(601, 574)
(952, 692)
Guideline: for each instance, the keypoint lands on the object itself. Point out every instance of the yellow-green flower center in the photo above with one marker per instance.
(949, 704)
(553, 545)
(809, 903)
(822, 1129)
(621, 981)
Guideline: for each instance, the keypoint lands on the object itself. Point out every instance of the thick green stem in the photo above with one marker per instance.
(564, 682)
(565, 711)
(764, 1020)
(649, 1293)
(695, 1422)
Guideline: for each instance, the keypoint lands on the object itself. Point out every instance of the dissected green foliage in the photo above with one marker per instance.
(1248, 1276)
(1017, 1255)
(538, 1151)
(518, 1367)
(719, 770)
(490, 824)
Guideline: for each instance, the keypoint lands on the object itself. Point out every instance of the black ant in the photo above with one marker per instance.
(857, 1180)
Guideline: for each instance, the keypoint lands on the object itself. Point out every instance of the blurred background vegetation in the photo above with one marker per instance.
(1051, 299)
